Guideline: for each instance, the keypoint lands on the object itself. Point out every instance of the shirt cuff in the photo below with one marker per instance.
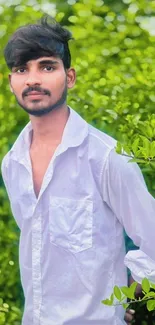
(140, 265)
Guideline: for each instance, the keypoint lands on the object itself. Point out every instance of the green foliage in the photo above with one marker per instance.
(141, 145)
(113, 54)
(121, 295)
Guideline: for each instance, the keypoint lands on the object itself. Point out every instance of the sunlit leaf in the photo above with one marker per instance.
(145, 285)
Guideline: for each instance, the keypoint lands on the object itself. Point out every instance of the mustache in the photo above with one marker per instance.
(35, 88)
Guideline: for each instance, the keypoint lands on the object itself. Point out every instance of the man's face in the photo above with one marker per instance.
(41, 85)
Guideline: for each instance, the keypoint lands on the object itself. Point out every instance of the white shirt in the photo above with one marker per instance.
(71, 243)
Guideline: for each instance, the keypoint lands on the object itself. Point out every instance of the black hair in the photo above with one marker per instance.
(45, 38)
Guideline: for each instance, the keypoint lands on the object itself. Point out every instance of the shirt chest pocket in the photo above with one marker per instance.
(70, 223)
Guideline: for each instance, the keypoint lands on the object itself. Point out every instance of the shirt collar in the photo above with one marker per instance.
(74, 133)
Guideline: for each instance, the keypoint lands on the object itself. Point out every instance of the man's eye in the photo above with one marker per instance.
(48, 68)
(21, 70)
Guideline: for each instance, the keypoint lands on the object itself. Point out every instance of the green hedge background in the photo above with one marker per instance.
(114, 56)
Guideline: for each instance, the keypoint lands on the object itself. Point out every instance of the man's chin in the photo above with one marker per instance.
(38, 112)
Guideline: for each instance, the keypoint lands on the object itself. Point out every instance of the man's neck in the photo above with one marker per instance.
(48, 129)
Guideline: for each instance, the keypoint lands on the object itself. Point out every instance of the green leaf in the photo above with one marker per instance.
(152, 165)
(117, 292)
(145, 285)
(126, 292)
(135, 145)
(150, 305)
(150, 294)
(112, 298)
(107, 302)
(118, 148)
(146, 129)
(127, 149)
(146, 145)
(141, 161)
(149, 131)
(132, 289)
(152, 149)
(125, 306)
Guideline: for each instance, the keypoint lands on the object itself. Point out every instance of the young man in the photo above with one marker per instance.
(70, 192)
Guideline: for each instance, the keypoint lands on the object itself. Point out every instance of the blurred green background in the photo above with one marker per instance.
(114, 56)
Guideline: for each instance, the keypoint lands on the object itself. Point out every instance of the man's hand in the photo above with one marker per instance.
(129, 316)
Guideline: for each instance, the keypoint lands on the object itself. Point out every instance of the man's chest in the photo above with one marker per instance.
(70, 206)
(40, 161)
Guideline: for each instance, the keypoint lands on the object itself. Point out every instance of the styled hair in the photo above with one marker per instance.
(45, 38)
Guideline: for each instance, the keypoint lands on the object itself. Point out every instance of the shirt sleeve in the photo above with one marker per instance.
(125, 191)
(4, 173)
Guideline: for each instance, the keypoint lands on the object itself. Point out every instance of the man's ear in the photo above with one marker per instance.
(71, 77)
(9, 77)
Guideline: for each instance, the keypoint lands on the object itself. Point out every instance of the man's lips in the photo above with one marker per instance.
(35, 93)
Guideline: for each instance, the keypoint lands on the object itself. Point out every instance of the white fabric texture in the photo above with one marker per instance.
(72, 250)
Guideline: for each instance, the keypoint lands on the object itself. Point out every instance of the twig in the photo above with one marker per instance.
(134, 301)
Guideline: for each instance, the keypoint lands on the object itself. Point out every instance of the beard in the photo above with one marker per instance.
(47, 109)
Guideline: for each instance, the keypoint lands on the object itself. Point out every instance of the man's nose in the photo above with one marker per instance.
(33, 79)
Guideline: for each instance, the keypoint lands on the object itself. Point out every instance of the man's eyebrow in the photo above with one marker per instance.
(52, 62)
(48, 62)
